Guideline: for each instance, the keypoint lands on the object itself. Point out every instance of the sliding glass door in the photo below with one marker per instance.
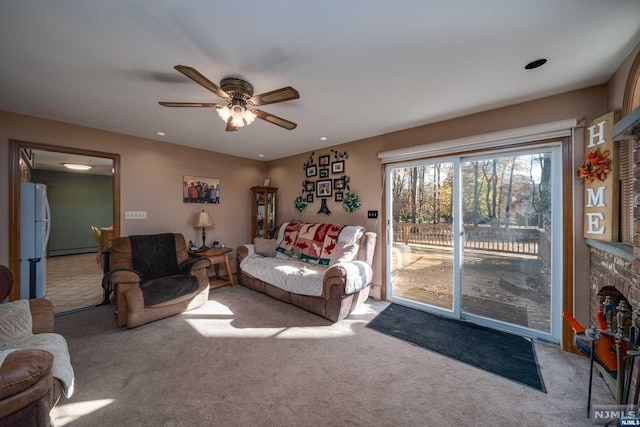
(471, 237)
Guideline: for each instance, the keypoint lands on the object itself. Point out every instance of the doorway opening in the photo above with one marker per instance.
(73, 272)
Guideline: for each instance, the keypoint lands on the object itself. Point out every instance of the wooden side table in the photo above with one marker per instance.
(217, 256)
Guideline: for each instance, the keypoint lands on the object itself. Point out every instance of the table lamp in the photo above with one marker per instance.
(203, 220)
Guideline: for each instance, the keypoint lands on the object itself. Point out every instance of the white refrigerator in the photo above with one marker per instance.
(35, 228)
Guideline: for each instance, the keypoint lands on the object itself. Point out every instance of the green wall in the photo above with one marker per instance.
(78, 201)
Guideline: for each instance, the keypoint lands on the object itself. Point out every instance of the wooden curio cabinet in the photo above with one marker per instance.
(263, 215)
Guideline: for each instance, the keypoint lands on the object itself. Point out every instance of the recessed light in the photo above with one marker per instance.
(160, 133)
(77, 167)
(323, 138)
(260, 155)
(535, 64)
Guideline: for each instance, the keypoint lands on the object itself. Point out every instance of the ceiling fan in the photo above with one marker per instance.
(238, 94)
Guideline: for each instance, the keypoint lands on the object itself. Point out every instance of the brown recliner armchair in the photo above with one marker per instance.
(28, 390)
(152, 277)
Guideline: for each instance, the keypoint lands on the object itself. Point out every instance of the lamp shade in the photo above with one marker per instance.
(203, 220)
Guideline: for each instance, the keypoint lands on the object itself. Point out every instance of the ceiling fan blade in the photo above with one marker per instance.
(275, 119)
(190, 104)
(280, 95)
(195, 75)
(230, 126)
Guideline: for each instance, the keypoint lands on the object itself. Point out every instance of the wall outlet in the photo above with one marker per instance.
(135, 215)
(372, 214)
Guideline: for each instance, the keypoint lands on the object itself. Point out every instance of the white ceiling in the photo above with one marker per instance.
(362, 67)
(54, 161)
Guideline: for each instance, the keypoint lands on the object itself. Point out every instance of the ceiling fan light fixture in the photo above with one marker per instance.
(249, 116)
(237, 122)
(237, 94)
(224, 113)
(238, 113)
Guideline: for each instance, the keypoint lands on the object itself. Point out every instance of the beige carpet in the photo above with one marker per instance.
(245, 359)
(73, 282)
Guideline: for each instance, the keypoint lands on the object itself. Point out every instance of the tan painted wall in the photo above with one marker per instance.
(151, 168)
(366, 172)
(618, 81)
(151, 179)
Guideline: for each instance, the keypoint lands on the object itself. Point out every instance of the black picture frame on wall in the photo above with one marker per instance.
(323, 188)
(323, 160)
(310, 198)
(311, 171)
(324, 173)
(338, 184)
(310, 186)
(338, 196)
(337, 167)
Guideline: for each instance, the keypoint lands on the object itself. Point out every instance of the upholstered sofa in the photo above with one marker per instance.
(35, 369)
(152, 277)
(322, 268)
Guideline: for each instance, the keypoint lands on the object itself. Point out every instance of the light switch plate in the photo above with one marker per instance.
(135, 215)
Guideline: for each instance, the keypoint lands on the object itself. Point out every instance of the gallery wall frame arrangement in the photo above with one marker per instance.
(197, 189)
(332, 182)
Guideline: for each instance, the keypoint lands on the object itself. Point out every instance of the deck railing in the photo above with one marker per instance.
(513, 239)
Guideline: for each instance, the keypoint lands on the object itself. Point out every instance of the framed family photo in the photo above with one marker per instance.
(311, 171)
(338, 196)
(323, 160)
(197, 189)
(310, 198)
(323, 188)
(310, 186)
(338, 184)
(337, 167)
(324, 173)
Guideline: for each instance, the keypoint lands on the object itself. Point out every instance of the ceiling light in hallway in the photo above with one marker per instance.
(76, 166)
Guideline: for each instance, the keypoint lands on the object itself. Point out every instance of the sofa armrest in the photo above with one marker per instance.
(191, 265)
(367, 247)
(20, 371)
(123, 276)
(119, 299)
(244, 251)
(42, 315)
(336, 275)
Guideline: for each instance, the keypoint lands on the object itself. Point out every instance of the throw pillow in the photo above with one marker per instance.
(265, 247)
(344, 252)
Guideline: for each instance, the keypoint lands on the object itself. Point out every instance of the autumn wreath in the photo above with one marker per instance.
(594, 166)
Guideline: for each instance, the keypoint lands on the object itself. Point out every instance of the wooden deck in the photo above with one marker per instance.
(512, 288)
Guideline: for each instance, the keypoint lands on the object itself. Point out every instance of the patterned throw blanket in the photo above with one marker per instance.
(310, 242)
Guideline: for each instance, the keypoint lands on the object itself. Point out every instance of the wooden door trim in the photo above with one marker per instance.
(14, 197)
